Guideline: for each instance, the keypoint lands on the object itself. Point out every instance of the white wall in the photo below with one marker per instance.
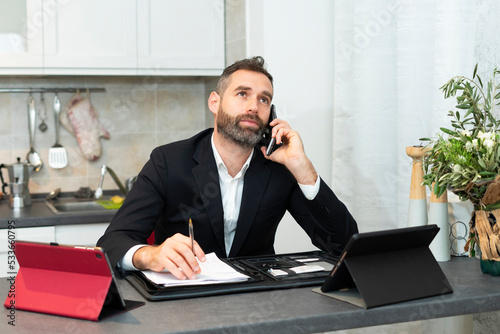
(296, 39)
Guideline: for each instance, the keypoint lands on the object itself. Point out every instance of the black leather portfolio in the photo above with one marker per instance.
(264, 273)
(387, 267)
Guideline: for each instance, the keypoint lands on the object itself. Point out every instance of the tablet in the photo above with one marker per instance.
(66, 280)
(388, 266)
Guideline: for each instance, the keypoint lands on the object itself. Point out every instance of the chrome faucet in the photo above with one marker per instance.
(104, 169)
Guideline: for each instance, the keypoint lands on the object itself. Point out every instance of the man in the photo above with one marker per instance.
(223, 181)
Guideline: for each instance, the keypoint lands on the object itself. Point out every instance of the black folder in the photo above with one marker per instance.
(258, 268)
(387, 267)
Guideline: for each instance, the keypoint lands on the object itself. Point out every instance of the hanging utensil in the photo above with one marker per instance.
(42, 113)
(33, 157)
(58, 158)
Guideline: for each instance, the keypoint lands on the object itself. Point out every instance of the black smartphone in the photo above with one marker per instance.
(269, 141)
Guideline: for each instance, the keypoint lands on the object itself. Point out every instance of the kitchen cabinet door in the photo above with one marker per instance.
(180, 37)
(37, 234)
(90, 37)
(80, 234)
(21, 37)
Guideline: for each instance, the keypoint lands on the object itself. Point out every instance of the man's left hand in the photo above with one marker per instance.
(292, 153)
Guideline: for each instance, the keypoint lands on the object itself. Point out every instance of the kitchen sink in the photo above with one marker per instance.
(76, 206)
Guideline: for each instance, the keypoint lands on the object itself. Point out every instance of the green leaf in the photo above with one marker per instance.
(469, 112)
(480, 82)
(481, 163)
(458, 115)
(492, 119)
(448, 131)
(463, 106)
(425, 139)
(489, 89)
(475, 71)
(441, 191)
(436, 188)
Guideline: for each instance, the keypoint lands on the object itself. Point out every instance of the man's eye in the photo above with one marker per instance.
(264, 100)
(242, 93)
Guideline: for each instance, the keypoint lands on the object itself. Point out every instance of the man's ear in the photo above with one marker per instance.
(213, 102)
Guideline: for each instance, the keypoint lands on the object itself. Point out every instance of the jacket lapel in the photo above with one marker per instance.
(207, 180)
(256, 179)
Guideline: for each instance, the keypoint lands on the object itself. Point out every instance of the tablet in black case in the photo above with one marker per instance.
(386, 267)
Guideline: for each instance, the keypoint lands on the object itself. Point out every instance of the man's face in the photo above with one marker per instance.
(243, 110)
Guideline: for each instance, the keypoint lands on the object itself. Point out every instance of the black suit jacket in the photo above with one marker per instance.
(180, 181)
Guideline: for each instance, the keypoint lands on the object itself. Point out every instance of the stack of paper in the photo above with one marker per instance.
(213, 271)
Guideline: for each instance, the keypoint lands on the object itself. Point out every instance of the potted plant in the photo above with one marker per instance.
(465, 159)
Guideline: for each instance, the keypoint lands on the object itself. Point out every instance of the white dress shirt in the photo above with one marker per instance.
(231, 193)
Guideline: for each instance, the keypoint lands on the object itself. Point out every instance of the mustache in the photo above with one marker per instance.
(250, 117)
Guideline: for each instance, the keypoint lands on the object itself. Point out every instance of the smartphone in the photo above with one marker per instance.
(269, 141)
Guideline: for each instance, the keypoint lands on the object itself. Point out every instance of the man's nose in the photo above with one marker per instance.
(252, 106)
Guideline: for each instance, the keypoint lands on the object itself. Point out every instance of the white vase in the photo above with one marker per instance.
(438, 214)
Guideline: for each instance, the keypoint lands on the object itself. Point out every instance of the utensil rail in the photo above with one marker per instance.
(48, 90)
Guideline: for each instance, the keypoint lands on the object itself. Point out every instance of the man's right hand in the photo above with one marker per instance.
(174, 254)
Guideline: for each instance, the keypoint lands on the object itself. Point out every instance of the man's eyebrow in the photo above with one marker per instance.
(268, 94)
(245, 88)
(242, 88)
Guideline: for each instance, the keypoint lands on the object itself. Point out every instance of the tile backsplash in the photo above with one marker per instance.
(140, 113)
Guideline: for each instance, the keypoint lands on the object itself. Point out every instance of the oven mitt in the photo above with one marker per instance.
(80, 118)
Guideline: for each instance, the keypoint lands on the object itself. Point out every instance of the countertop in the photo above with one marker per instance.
(279, 311)
(39, 214)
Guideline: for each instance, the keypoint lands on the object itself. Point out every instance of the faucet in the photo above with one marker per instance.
(104, 169)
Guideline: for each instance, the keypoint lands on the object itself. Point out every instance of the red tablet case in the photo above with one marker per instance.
(64, 280)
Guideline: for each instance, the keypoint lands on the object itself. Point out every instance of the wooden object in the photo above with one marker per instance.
(417, 209)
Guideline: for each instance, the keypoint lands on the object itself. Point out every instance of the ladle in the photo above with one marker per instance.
(33, 157)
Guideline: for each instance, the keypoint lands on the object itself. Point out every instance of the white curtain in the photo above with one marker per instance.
(390, 59)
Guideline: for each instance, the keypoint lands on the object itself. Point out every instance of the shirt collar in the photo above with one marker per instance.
(220, 162)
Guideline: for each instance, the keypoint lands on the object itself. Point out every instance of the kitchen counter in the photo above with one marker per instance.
(39, 214)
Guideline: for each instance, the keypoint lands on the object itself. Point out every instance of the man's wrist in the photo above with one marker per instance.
(127, 263)
(303, 171)
(310, 191)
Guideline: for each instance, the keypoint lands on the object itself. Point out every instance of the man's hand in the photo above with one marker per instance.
(174, 254)
(292, 153)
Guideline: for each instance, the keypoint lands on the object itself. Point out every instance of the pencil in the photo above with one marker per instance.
(191, 234)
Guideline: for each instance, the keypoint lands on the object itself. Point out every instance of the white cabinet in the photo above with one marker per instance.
(80, 234)
(112, 37)
(90, 37)
(21, 37)
(180, 35)
(39, 234)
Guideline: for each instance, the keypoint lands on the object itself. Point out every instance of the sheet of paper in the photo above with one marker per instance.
(213, 271)
(277, 272)
(307, 269)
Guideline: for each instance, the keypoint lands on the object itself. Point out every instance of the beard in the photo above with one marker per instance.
(229, 127)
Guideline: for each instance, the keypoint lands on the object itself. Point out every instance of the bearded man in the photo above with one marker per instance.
(223, 181)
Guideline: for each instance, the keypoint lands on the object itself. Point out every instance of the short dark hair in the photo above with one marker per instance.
(255, 64)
